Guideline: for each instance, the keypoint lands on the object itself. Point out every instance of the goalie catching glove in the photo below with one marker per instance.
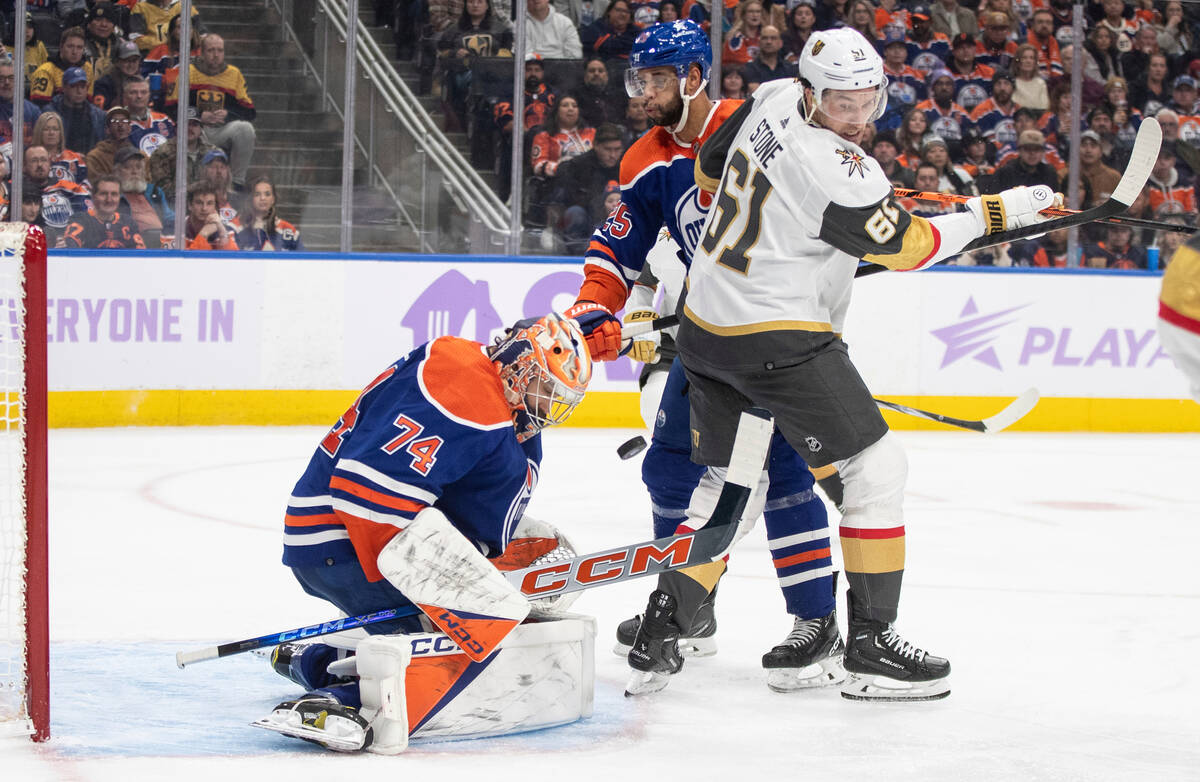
(1016, 207)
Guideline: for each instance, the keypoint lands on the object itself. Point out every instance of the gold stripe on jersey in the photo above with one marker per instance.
(873, 555)
(755, 328)
(703, 180)
(917, 245)
(1181, 281)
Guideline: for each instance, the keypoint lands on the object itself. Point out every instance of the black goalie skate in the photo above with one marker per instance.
(810, 656)
(698, 641)
(321, 720)
(882, 666)
(654, 656)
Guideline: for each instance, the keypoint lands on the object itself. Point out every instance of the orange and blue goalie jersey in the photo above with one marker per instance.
(432, 429)
(658, 187)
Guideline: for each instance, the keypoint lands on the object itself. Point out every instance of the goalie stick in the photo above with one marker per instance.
(1141, 162)
(1014, 411)
(706, 544)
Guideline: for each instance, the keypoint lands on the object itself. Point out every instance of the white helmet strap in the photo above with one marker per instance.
(687, 101)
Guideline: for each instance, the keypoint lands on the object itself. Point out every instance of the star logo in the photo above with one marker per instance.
(854, 161)
(973, 334)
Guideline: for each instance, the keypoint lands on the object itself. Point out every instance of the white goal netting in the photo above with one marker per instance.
(14, 717)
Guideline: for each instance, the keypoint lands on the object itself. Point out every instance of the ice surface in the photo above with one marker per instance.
(1057, 572)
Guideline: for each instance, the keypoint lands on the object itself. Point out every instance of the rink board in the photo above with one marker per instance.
(167, 339)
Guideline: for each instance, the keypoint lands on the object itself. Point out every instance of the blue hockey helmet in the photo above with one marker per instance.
(679, 43)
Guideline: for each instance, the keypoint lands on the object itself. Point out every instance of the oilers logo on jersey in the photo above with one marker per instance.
(56, 209)
(150, 142)
(690, 212)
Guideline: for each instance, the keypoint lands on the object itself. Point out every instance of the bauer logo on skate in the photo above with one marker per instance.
(606, 566)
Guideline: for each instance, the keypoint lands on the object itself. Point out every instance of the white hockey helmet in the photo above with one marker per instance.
(843, 60)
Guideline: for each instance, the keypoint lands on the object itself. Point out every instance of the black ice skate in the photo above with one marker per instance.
(654, 656)
(882, 666)
(810, 656)
(698, 641)
(321, 720)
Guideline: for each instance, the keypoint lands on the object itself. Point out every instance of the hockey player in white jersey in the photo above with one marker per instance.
(799, 203)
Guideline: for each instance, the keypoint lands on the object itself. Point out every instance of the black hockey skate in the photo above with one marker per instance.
(882, 666)
(321, 720)
(810, 656)
(654, 656)
(698, 641)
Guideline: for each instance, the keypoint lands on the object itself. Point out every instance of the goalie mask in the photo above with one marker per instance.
(545, 368)
(846, 76)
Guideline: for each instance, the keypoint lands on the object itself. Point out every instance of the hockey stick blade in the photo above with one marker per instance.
(1014, 411)
(1141, 162)
(706, 544)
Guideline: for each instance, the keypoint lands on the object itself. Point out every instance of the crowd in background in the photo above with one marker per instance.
(100, 137)
(979, 96)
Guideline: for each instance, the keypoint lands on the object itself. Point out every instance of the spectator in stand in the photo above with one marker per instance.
(61, 198)
(539, 102)
(260, 227)
(204, 228)
(161, 64)
(1176, 36)
(149, 129)
(83, 122)
(926, 181)
(905, 84)
(801, 21)
(1150, 92)
(1116, 252)
(928, 49)
(830, 14)
(1028, 168)
(909, 137)
(127, 65)
(1101, 56)
(48, 78)
(549, 33)
(599, 100)
(972, 80)
(979, 159)
(862, 19)
(1056, 123)
(1169, 193)
(1168, 241)
(582, 12)
(102, 36)
(101, 158)
(611, 36)
(637, 121)
(1029, 119)
(64, 163)
(218, 91)
(578, 199)
(1145, 44)
(946, 118)
(891, 17)
(996, 48)
(951, 178)
(35, 50)
(145, 202)
(1093, 90)
(162, 162)
(1101, 179)
(8, 86)
(1117, 19)
(215, 172)
(1100, 120)
(1029, 85)
(1045, 251)
(668, 11)
(1045, 45)
(563, 137)
(733, 84)
(478, 33)
(885, 149)
(994, 117)
(102, 227)
(769, 63)
(952, 20)
(741, 42)
(1183, 96)
(150, 23)
(31, 209)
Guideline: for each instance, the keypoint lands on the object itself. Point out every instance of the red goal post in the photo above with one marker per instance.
(24, 589)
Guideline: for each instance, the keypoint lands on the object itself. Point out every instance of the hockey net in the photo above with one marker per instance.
(24, 663)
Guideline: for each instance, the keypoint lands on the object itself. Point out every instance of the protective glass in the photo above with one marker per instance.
(637, 81)
(854, 107)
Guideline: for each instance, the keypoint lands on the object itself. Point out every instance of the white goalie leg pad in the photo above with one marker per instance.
(440, 571)
(382, 664)
(873, 484)
(705, 496)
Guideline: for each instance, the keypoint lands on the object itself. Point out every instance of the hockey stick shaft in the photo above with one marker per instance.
(1135, 222)
(706, 544)
(646, 326)
(1012, 412)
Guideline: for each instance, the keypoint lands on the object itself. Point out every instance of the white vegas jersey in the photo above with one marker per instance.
(795, 210)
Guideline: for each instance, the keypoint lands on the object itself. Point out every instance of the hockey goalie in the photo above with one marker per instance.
(416, 497)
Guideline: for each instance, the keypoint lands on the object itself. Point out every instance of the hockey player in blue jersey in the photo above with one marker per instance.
(411, 497)
(669, 66)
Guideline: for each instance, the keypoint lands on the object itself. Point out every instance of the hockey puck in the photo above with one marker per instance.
(631, 448)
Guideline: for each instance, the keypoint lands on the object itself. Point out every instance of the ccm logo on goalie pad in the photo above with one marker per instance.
(607, 566)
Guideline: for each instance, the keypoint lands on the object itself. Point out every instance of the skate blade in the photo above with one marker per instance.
(824, 673)
(645, 682)
(350, 743)
(869, 687)
(688, 647)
